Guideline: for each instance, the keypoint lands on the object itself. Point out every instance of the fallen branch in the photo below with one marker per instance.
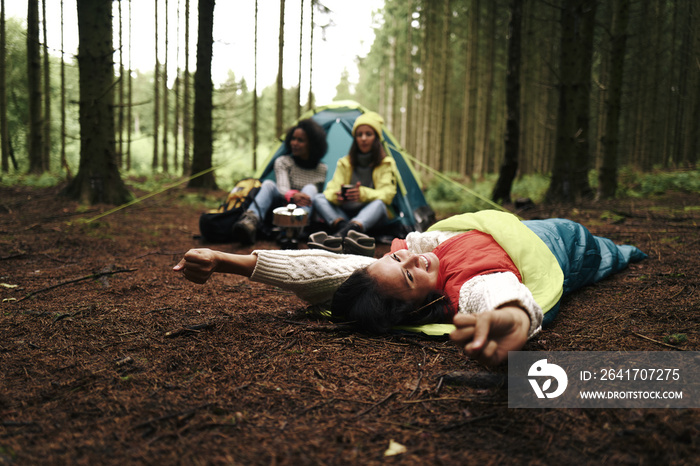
(76, 280)
(657, 341)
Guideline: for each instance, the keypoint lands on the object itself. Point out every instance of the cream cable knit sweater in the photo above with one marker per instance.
(312, 274)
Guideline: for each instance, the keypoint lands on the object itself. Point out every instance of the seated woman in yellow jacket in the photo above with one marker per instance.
(364, 182)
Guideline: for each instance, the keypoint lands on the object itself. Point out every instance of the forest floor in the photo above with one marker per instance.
(109, 357)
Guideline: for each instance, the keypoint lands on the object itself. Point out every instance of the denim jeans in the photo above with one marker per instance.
(269, 197)
(369, 215)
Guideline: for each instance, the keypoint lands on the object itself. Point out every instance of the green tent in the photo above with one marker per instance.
(411, 210)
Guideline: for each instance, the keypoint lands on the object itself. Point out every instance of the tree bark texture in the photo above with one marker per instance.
(166, 110)
(607, 179)
(509, 168)
(279, 113)
(186, 134)
(98, 179)
(156, 95)
(254, 123)
(36, 122)
(571, 164)
(4, 148)
(203, 137)
(46, 152)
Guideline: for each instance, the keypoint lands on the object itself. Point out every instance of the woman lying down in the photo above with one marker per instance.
(496, 278)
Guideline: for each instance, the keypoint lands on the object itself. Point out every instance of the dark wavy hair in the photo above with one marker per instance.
(360, 302)
(377, 151)
(316, 136)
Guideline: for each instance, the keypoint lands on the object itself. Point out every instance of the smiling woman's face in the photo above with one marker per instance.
(406, 276)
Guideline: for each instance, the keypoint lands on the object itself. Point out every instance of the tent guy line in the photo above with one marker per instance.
(155, 193)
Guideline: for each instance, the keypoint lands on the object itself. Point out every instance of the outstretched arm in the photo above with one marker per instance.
(488, 336)
(199, 264)
(312, 274)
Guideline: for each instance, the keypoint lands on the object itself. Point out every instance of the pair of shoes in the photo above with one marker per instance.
(354, 243)
(351, 226)
(321, 240)
(358, 243)
(245, 229)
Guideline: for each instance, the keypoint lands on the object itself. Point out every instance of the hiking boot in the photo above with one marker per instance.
(245, 229)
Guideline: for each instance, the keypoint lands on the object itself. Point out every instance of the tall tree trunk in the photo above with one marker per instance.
(176, 85)
(427, 66)
(310, 98)
(570, 173)
(166, 110)
(394, 86)
(546, 162)
(120, 106)
(254, 129)
(186, 134)
(465, 141)
(203, 102)
(279, 113)
(474, 83)
(684, 24)
(130, 94)
(406, 94)
(64, 161)
(646, 82)
(607, 177)
(443, 123)
(693, 128)
(602, 88)
(156, 95)
(46, 152)
(691, 95)
(509, 168)
(388, 109)
(5, 147)
(36, 124)
(668, 91)
(301, 46)
(98, 179)
(660, 68)
(489, 79)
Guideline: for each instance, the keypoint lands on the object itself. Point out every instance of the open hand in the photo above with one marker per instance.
(488, 336)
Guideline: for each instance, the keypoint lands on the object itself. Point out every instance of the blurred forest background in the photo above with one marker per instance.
(555, 100)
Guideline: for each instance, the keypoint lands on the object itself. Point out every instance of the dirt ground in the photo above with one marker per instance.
(108, 357)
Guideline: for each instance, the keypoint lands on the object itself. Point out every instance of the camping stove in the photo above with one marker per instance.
(292, 220)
